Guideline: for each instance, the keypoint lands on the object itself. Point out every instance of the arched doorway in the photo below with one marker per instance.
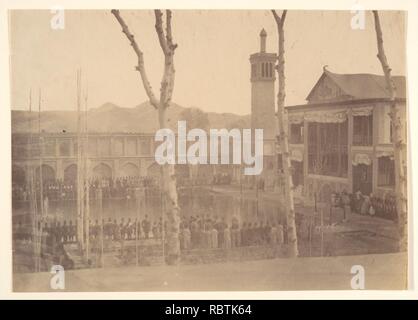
(48, 173)
(18, 175)
(129, 170)
(325, 193)
(154, 170)
(182, 171)
(70, 173)
(205, 174)
(102, 171)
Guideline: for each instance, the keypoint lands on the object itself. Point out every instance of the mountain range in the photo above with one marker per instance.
(112, 118)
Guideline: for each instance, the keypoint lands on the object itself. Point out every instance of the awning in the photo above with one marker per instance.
(384, 153)
(363, 111)
(326, 116)
(296, 155)
(296, 118)
(361, 158)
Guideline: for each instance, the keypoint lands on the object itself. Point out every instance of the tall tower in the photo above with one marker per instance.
(263, 114)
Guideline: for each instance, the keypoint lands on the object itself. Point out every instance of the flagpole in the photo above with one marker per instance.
(86, 178)
(80, 216)
(138, 221)
(32, 188)
(41, 184)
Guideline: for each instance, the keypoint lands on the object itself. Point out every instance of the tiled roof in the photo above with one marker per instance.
(365, 85)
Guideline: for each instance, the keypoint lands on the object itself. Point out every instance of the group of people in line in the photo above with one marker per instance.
(222, 178)
(59, 189)
(365, 204)
(196, 232)
(207, 232)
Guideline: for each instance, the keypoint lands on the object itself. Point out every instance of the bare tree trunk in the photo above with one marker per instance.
(168, 177)
(283, 139)
(398, 140)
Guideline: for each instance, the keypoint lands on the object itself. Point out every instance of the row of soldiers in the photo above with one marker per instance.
(207, 232)
(129, 229)
(59, 189)
(66, 232)
(200, 232)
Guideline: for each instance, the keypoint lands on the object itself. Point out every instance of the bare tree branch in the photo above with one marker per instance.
(168, 177)
(169, 35)
(283, 138)
(141, 65)
(160, 31)
(398, 137)
(276, 16)
(284, 13)
(382, 57)
(279, 20)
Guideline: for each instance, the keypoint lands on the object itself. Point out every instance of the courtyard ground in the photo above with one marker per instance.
(361, 240)
(382, 272)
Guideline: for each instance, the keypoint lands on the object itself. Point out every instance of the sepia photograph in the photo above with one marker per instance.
(208, 150)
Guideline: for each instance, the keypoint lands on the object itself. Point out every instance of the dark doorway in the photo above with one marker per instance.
(362, 178)
(297, 174)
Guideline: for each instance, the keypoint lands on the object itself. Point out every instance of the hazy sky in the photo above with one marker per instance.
(212, 60)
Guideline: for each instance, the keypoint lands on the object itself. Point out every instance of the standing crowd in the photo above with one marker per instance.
(208, 232)
(196, 232)
(59, 189)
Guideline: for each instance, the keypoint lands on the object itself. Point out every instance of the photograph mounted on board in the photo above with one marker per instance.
(208, 150)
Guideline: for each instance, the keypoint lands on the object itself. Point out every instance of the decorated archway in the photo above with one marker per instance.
(48, 173)
(154, 170)
(70, 173)
(102, 170)
(18, 175)
(325, 193)
(182, 171)
(129, 170)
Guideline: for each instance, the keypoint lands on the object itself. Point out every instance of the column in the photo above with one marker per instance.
(375, 115)
(73, 153)
(110, 146)
(125, 144)
(116, 168)
(305, 157)
(138, 146)
(349, 149)
(57, 148)
(60, 169)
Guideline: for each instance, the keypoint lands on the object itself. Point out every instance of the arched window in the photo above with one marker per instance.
(102, 171)
(48, 173)
(253, 70)
(129, 170)
(70, 173)
(18, 175)
(65, 148)
(263, 69)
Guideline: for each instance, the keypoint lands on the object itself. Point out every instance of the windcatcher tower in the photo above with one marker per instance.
(263, 115)
(263, 78)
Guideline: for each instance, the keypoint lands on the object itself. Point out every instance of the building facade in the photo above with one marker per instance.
(110, 155)
(340, 140)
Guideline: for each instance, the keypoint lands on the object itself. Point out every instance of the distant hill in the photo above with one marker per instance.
(112, 118)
